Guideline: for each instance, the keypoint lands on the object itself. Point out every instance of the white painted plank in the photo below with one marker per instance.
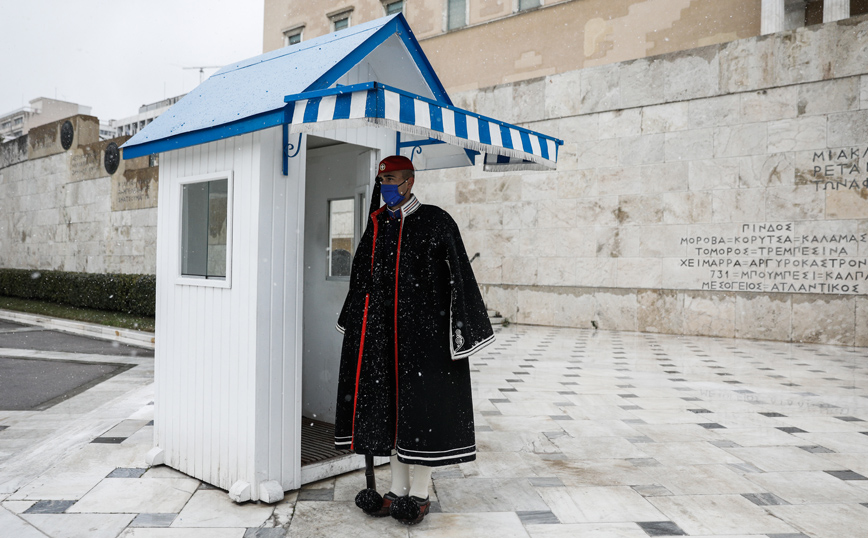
(276, 300)
(162, 299)
(293, 375)
(198, 394)
(203, 334)
(231, 349)
(212, 396)
(207, 396)
(238, 313)
(246, 395)
(264, 292)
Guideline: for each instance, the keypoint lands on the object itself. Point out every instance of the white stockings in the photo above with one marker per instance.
(401, 479)
(421, 477)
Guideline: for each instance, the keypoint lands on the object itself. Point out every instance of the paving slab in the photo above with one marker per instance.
(182, 533)
(14, 525)
(314, 519)
(214, 509)
(137, 495)
(720, 515)
(78, 525)
(825, 520)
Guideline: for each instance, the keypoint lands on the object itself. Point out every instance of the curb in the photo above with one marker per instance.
(115, 334)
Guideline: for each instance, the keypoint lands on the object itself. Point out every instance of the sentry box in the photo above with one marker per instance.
(266, 170)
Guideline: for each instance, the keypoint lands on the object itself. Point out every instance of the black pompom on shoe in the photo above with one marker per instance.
(404, 508)
(410, 510)
(369, 500)
(374, 505)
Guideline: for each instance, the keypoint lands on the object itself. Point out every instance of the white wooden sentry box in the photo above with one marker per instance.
(246, 305)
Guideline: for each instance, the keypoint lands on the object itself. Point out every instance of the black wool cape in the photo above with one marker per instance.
(411, 318)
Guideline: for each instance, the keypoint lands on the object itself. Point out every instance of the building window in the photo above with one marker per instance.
(18, 121)
(456, 14)
(528, 4)
(394, 7)
(205, 228)
(341, 21)
(292, 36)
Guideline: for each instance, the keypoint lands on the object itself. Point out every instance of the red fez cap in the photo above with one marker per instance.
(395, 163)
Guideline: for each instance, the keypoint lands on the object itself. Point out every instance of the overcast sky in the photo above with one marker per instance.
(117, 55)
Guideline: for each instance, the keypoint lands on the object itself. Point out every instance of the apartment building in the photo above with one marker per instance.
(40, 111)
(147, 113)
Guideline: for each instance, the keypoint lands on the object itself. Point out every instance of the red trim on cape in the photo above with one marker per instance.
(359, 370)
(376, 224)
(364, 326)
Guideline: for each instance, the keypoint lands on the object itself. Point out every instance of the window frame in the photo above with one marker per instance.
(292, 32)
(339, 15)
(191, 280)
(446, 27)
(518, 9)
(387, 3)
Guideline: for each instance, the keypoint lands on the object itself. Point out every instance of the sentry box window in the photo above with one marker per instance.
(342, 224)
(205, 230)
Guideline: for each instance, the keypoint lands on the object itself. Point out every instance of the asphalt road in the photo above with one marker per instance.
(35, 384)
(13, 335)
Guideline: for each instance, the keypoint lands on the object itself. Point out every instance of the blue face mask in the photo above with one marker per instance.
(391, 195)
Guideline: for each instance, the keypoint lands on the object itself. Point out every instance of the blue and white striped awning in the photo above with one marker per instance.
(506, 146)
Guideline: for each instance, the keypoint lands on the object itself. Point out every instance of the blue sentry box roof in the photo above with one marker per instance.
(249, 95)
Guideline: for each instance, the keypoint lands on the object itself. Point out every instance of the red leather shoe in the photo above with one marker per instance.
(384, 510)
(410, 510)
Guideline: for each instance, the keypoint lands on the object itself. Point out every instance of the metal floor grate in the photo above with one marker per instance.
(318, 442)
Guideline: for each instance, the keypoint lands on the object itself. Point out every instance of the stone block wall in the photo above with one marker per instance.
(60, 209)
(720, 191)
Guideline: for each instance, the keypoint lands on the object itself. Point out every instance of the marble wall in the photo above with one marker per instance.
(719, 191)
(60, 209)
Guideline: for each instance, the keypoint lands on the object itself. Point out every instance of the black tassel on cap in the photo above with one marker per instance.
(375, 197)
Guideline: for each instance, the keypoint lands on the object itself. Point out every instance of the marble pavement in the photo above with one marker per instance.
(585, 434)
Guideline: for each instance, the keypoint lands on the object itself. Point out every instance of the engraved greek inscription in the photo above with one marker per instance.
(834, 169)
(772, 257)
